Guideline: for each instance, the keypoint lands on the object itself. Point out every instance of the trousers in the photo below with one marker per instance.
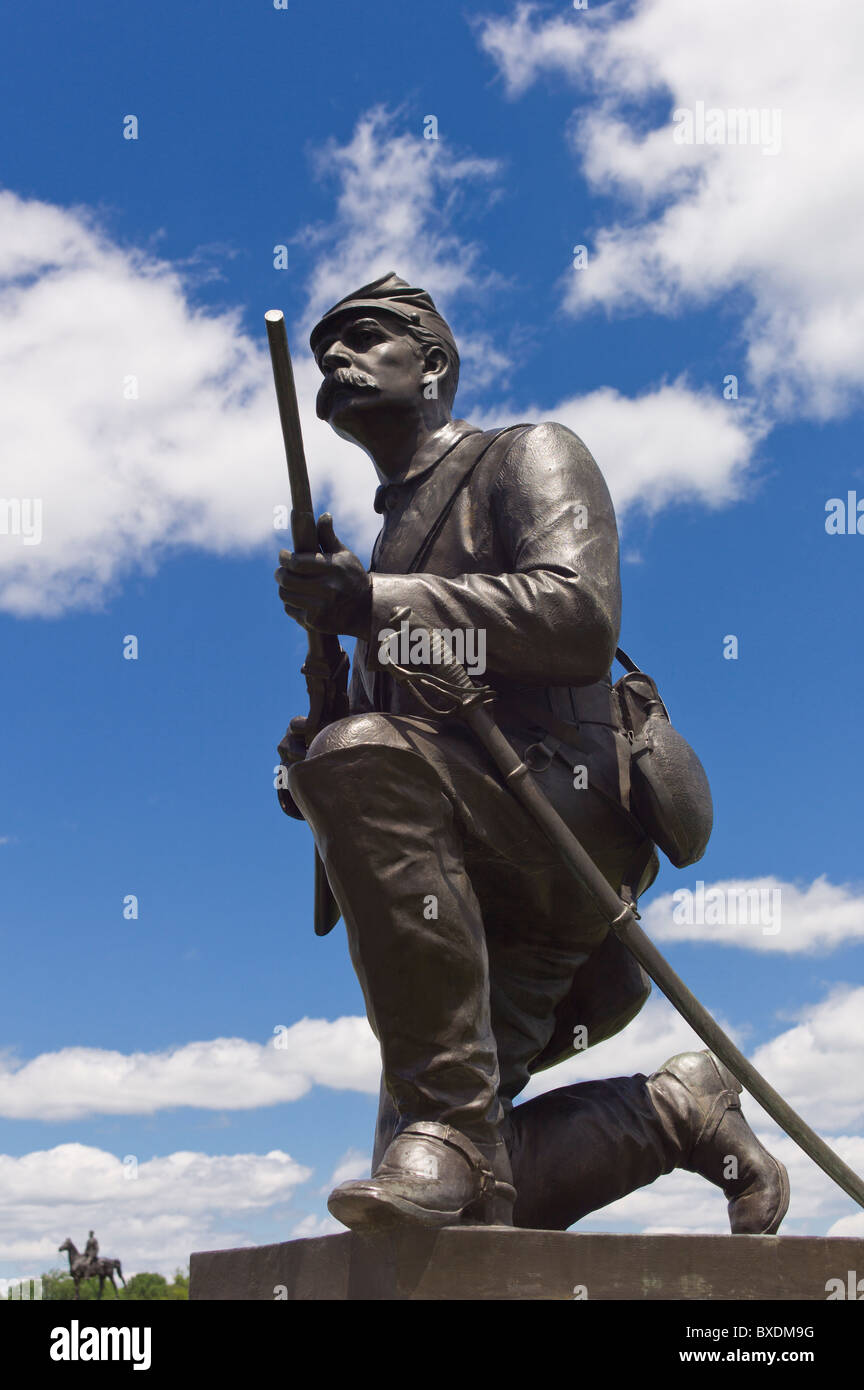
(464, 929)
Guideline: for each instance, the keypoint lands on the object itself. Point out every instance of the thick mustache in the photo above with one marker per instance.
(349, 376)
(352, 376)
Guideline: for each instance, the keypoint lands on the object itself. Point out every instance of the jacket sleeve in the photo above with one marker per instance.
(553, 616)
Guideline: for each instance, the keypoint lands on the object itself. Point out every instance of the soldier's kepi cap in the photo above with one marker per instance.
(389, 295)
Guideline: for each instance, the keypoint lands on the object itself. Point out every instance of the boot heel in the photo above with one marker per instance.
(492, 1208)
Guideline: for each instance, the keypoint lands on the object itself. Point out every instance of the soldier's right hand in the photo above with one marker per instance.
(292, 749)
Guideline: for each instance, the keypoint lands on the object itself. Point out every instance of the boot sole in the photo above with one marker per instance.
(371, 1211)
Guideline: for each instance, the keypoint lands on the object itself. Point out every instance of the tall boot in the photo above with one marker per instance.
(489, 1207)
(576, 1149)
(697, 1098)
(386, 834)
(430, 1175)
(581, 1147)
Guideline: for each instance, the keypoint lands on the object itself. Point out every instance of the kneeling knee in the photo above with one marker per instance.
(357, 730)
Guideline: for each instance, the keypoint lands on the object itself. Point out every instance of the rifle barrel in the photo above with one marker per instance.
(303, 528)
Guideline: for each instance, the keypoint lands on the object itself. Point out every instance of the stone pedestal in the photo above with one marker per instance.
(493, 1263)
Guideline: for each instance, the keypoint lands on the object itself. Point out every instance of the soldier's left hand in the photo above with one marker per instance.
(331, 591)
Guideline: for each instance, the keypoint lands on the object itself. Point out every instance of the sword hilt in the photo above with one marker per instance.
(453, 681)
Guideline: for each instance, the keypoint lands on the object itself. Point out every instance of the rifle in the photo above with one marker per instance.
(326, 664)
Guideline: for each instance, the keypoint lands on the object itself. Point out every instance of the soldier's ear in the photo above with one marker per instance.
(435, 361)
(435, 366)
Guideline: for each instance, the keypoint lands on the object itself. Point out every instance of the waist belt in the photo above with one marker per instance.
(595, 704)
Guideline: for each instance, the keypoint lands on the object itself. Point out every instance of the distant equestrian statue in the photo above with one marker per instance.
(90, 1266)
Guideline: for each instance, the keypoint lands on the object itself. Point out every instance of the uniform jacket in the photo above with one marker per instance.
(511, 533)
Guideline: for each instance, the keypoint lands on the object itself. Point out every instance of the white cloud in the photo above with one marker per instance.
(760, 914)
(174, 1205)
(224, 1074)
(703, 222)
(523, 49)
(851, 1227)
(668, 445)
(193, 461)
(313, 1225)
(394, 211)
(233, 1074)
(354, 1164)
(818, 1063)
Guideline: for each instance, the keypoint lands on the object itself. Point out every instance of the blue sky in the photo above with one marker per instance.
(153, 259)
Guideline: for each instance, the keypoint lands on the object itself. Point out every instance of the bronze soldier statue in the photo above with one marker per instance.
(480, 959)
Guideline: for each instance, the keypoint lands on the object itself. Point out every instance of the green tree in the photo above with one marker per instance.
(180, 1288)
(155, 1287)
(146, 1288)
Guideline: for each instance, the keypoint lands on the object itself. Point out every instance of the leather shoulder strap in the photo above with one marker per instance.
(480, 447)
(626, 661)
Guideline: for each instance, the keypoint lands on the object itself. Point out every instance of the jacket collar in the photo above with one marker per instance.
(417, 508)
(426, 458)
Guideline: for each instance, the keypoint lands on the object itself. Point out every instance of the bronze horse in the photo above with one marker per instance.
(80, 1267)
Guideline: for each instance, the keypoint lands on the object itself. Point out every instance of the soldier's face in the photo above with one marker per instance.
(369, 364)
